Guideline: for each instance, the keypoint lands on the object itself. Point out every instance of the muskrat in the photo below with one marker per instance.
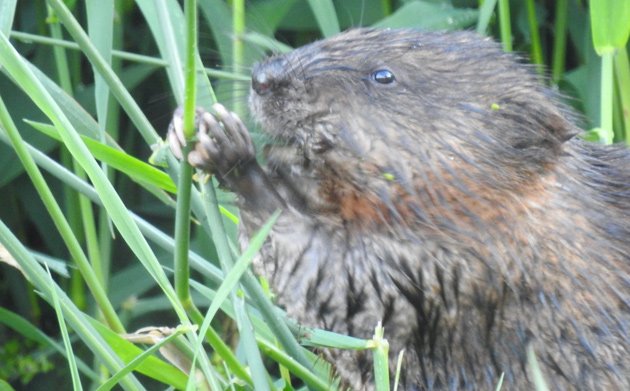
(434, 183)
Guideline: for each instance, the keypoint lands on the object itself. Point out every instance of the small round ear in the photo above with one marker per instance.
(560, 126)
(538, 128)
(546, 130)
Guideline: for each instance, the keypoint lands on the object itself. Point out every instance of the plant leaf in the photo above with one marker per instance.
(430, 16)
(7, 11)
(326, 16)
(135, 168)
(149, 365)
(610, 24)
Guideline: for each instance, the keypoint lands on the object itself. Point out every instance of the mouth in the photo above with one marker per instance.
(308, 141)
(320, 137)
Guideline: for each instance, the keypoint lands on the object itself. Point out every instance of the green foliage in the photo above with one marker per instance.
(87, 89)
(610, 28)
(21, 361)
(609, 23)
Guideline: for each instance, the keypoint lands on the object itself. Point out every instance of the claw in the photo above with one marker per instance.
(195, 159)
(206, 146)
(221, 143)
(216, 130)
(220, 111)
(178, 125)
(173, 142)
(175, 135)
(243, 135)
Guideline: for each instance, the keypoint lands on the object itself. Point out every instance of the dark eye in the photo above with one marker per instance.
(383, 76)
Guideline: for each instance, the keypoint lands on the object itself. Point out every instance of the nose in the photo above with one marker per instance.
(267, 76)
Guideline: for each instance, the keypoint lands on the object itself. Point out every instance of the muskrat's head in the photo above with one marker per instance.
(407, 86)
(392, 96)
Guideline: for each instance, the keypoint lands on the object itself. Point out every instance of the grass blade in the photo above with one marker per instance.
(135, 168)
(249, 282)
(118, 89)
(315, 382)
(233, 277)
(609, 24)
(325, 338)
(100, 16)
(429, 16)
(162, 240)
(166, 21)
(622, 73)
(111, 200)
(485, 14)
(380, 351)
(326, 16)
(505, 25)
(49, 201)
(536, 49)
(399, 362)
(74, 372)
(559, 41)
(30, 331)
(537, 375)
(7, 11)
(39, 278)
(150, 365)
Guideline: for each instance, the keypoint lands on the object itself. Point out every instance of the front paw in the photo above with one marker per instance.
(222, 142)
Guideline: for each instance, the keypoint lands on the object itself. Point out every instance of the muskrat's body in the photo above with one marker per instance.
(431, 182)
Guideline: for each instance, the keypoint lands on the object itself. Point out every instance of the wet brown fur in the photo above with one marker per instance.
(455, 205)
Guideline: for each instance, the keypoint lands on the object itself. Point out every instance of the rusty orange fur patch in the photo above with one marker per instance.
(463, 201)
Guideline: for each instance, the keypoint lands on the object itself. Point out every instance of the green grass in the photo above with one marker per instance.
(86, 94)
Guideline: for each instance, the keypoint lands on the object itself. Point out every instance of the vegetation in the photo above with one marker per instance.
(93, 242)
